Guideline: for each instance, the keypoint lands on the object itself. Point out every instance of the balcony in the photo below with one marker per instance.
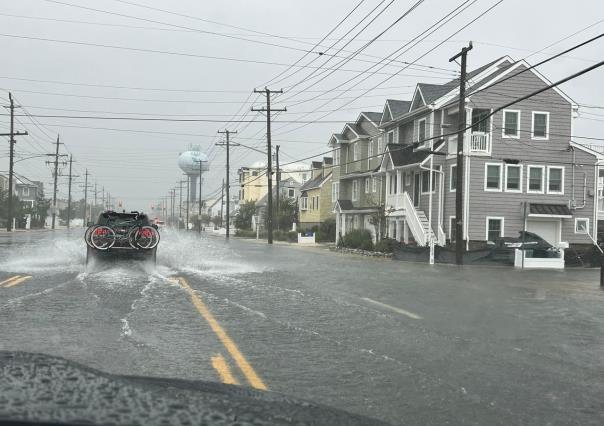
(480, 143)
(394, 201)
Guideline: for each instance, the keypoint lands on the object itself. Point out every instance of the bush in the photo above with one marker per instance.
(358, 239)
(288, 236)
(327, 231)
(245, 233)
(387, 245)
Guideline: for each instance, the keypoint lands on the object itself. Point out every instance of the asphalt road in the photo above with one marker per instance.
(406, 343)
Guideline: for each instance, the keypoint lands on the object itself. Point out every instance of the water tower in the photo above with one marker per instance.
(193, 163)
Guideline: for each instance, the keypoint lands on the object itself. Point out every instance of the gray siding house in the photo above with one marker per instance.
(519, 160)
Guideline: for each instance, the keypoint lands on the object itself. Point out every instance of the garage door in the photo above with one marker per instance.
(546, 229)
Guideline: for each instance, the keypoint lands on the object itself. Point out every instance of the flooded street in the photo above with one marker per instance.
(396, 341)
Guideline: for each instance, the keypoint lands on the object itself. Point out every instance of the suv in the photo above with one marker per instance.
(122, 235)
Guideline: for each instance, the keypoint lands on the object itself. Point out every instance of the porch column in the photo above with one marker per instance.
(343, 223)
(338, 225)
(405, 232)
(399, 230)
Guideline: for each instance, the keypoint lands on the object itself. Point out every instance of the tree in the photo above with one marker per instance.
(243, 218)
(377, 218)
(288, 213)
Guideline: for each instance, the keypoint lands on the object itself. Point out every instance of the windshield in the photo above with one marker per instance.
(394, 209)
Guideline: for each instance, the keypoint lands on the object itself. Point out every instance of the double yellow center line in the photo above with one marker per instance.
(219, 362)
(13, 281)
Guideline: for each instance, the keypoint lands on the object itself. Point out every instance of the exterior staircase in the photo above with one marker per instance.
(418, 224)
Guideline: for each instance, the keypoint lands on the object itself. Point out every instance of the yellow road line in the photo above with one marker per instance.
(250, 374)
(223, 370)
(17, 281)
(9, 280)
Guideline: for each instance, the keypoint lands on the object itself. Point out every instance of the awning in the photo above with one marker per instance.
(549, 210)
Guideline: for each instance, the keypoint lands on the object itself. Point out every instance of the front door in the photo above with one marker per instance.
(416, 189)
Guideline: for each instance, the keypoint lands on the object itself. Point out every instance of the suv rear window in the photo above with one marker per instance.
(123, 219)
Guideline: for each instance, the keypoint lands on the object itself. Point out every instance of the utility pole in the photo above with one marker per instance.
(228, 183)
(71, 176)
(95, 193)
(278, 183)
(85, 215)
(180, 182)
(188, 202)
(56, 176)
(103, 197)
(269, 165)
(459, 242)
(11, 141)
(221, 201)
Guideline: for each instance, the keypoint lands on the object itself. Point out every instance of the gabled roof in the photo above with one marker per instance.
(357, 130)
(374, 117)
(393, 109)
(432, 92)
(316, 182)
(404, 155)
(336, 138)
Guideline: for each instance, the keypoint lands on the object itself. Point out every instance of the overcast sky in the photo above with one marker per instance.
(188, 75)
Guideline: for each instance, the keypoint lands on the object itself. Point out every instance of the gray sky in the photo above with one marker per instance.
(138, 164)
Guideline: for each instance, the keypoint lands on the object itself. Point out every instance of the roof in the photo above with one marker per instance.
(549, 209)
(373, 116)
(403, 155)
(357, 129)
(345, 204)
(432, 92)
(315, 182)
(398, 108)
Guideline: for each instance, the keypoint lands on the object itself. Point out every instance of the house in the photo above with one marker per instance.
(316, 196)
(521, 169)
(254, 184)
(289, 188)
(27, 191)
(357, 188)
(3, 186)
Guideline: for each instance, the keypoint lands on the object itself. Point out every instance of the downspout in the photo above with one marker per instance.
(573, 200)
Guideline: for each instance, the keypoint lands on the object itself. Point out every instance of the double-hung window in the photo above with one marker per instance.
(494, 228)
(355, 151)
(374, 184)
(336, 157)
(335, 191)
(355, 190)
(535, 178)
(380, 145)
(540, 125)
(511, 123)
(421, 130)
(391, 136)
(369, 153)
(367, 185)
(555, 180)
(513, 178)
(453, 178)
(492, 177)
(304, 203)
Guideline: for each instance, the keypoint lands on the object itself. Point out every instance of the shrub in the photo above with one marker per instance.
(327, 231)
(245, 233)
(359, 239)
(387, 245)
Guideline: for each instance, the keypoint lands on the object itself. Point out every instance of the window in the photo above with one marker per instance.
(380, 145)
(480, 120)
(369, 154)
(355, 151)
(513, 178)
(535, 179)
(254, 173)
(453, 178)
(393, 182)
(367, 185)
(336, 157)
(25, 191)
(391, 136)
(355, 190)
(407, 178)
(374, 184)
(426, 180)
(555, 180)
(304, 203)
(291, 192)
(581, 225)
(317, 203)
(540, 125)
(492, 177)
(421, 130)
(335, 191)
(494, 228)
(304, 176)
(511, 124)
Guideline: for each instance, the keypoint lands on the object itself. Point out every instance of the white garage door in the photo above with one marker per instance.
(546, 229)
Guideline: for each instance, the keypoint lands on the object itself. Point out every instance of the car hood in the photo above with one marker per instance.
(53, 390)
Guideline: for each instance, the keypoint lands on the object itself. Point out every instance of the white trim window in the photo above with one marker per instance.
(335, 191)
(304, 203)
(25, 191)
(390, 136)
(540, 125)
(355, 190)
(494, 228)
(374, 184)
(317, 203)
(493, 175)
(291, 193)
(336, 156)
(555, 180)
(421, 130)
(535, 178)
(513, 178)
(511, 123)
(367, 185)
(355, 151)
(369, 153)
(425, 179)
(581, 225)
(380, 145)
(452, 178)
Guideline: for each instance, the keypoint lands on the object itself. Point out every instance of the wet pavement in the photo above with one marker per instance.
(402, 342)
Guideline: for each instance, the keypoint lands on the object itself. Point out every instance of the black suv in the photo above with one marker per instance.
(122, 235)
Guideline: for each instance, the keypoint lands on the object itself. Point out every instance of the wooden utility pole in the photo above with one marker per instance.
(227, 185)
(71, 176)
(85, 215)
(269, 165)
(11, 142)
(55, 176)
(188, 202)
(459, 220)
(180, 182)
(278, 181)
(221, 201)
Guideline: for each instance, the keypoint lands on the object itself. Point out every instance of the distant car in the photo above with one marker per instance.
(160, 224)
(122, 235)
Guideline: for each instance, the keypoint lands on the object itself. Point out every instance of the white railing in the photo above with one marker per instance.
(442, 238)
(394, 201)
(480, 143)
(415, 224)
